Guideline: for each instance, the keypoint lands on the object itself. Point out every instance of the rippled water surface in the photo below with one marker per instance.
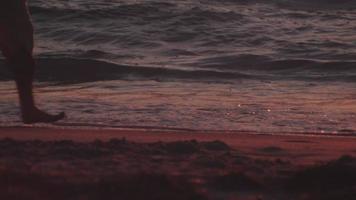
(256, 65)
(191, 33)
(249, 106)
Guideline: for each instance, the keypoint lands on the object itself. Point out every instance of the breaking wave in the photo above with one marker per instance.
(69, 70)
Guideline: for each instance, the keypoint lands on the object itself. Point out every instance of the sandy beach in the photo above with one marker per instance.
(45, 163)
(177, 100)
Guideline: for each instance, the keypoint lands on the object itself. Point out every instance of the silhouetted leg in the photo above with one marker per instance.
(23, 66)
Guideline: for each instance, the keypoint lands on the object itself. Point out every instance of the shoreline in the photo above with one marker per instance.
(47, 163)
(96, 127)
(324, 147)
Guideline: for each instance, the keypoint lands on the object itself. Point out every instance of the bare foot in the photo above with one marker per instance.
(38, 116)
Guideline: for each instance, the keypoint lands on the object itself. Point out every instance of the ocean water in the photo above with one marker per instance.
(272, 66)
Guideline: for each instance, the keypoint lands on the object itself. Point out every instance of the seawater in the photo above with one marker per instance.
(252, 65)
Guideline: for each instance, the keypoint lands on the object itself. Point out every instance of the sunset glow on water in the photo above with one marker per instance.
(178, 99)
(275, 107)
(265, 66)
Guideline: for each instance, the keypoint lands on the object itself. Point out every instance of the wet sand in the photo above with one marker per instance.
(44, 163)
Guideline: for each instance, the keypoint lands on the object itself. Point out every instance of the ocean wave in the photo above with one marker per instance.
(179, 13)
(145, 11)
(118, 11)
(304, 4)
(243, 26)
(69, 70)
(316, 4)
(265, 63)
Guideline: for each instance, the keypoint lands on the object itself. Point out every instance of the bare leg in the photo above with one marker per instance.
(16, 44)
(23, 66)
